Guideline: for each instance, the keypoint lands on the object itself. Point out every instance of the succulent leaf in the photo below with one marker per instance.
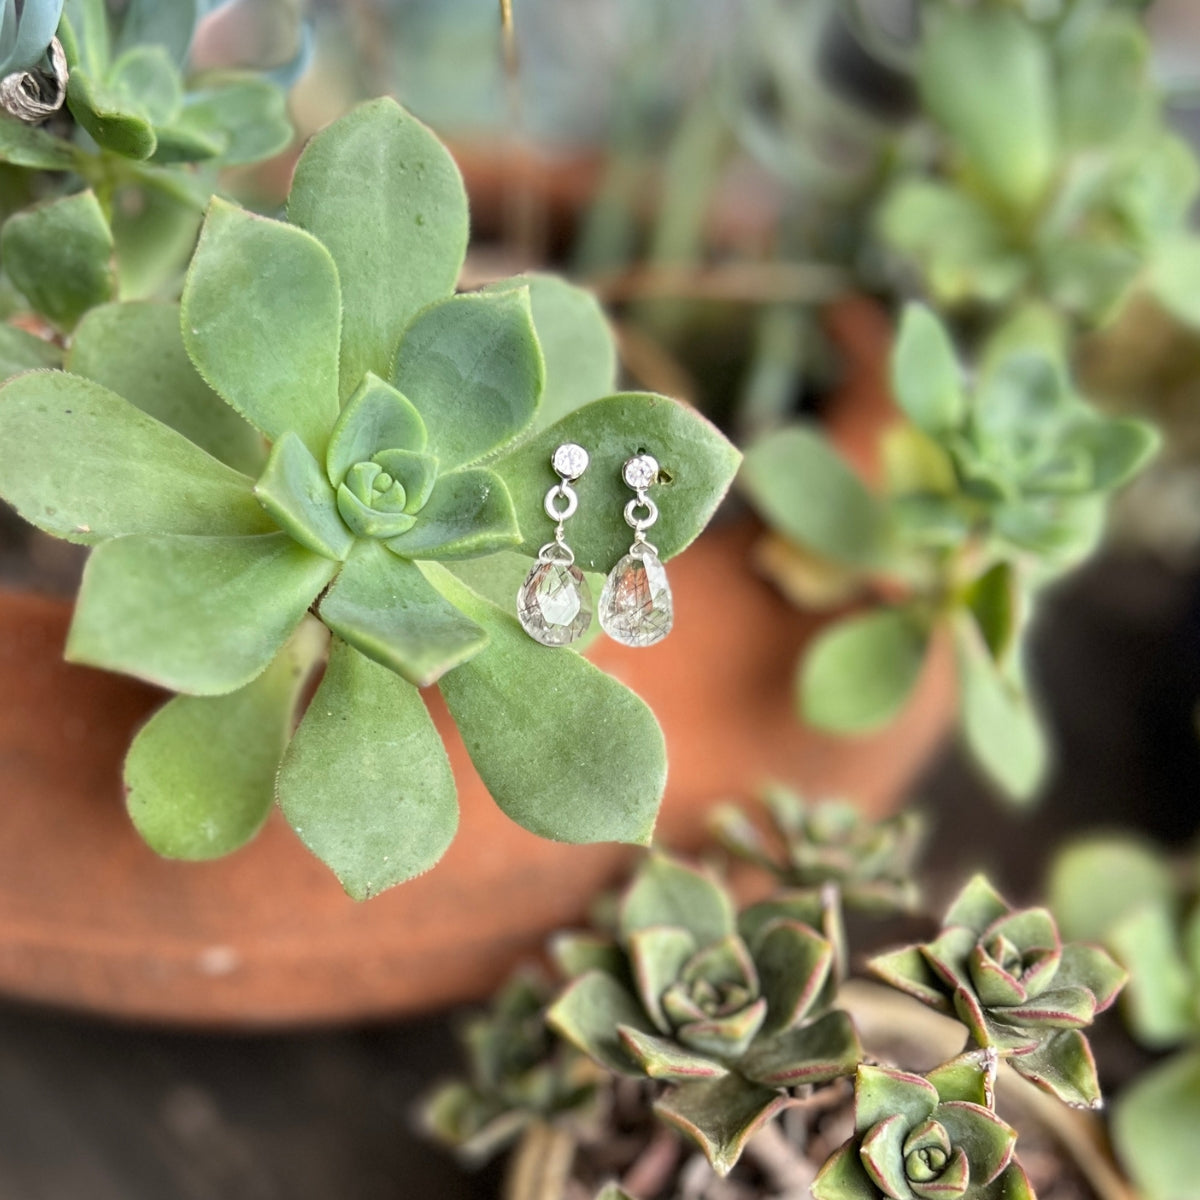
(375, 418)
(261, 321)
(667, 892)
(365, 782)
(199, 615)
(295, 492)
(386, 609)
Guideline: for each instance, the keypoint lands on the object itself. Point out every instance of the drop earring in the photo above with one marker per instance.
(554, 604)
(636, 608)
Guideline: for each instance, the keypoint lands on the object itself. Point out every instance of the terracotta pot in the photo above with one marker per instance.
(90, 918)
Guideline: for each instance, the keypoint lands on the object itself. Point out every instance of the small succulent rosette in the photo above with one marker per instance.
(813, 845)
(924, 1138)
(730, 1021)
(1007, 975)
(392, 519)
(520, 1072)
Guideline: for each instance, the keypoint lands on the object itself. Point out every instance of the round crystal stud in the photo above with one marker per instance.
(569, 461)
(640, 472)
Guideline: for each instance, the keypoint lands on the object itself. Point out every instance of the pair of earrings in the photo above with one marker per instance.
(554, 604)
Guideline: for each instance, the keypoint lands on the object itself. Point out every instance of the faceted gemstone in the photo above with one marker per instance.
(554, 604)
(636, 608)
(640, 472)
(569, 461)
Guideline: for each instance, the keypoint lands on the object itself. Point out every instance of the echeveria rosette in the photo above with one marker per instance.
(728, 1023)
(402, 421)
(520, 1072)
(1008, 977)
(924, 1138)
(812, 845)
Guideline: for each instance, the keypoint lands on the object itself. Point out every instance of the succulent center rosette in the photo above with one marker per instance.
(729, 1017)
(931, 1138)
(1008, 976)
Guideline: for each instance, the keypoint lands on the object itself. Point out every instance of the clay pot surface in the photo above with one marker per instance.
(90, 918)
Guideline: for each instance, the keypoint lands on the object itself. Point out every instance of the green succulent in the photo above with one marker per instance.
(810, 846)
(1143, 907)
(729, 1019)
(993, 489)
(1054, 174)
(520, 1072)
(1009, 978)
(406, 438)
(931, 1137)
(106, 205)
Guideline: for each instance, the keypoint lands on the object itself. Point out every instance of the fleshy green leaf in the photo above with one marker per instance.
(1154, 1127)
(201, 615)
(1004, 123)
(1098, 880)
(926, 376)
(149, 83)
(27, 146)
(151, 22)
(961, 1078)
(468, 513)
(382, 193)
(807, 492)
(522, 710)
(1160, 1003)
(243, 116)
(977, 906)
(366, 783)
(577, 344)
(59, 254)
(294, 490)
(154, 231)
(109, 117)
(1116, 450)
(1175, 277)
(137, 351)
(1104, 86)
(662, 1058)
(880, 1092)
(720, 1115)
(858, 674)
(993, 600)
(376, 417)
(390, 612)
(907, 971)
(590, 1015)
(1000, 723)
(21, 351)
(92, 466)
(200, 775)
(987, 1140)
(815, 1053)
(1062, 1065)
(697, 464)
(658, 953)
(957, 244)
(261, 315)
(666, 892)
(793, 964)
(843, 1177)
(472, 367)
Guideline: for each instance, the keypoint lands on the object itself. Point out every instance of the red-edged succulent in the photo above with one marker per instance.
(924, 1138)
(729, 1018)
(1008, 976)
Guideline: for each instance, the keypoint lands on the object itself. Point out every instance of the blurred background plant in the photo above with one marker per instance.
(1123, 892)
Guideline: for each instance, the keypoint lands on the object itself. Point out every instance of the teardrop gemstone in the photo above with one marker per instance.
(554, 604)
(636, 608)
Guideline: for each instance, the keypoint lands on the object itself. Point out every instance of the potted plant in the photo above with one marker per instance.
(731, 1024)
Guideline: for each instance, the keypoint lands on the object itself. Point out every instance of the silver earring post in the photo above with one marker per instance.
(636, 606)
(554, 604)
